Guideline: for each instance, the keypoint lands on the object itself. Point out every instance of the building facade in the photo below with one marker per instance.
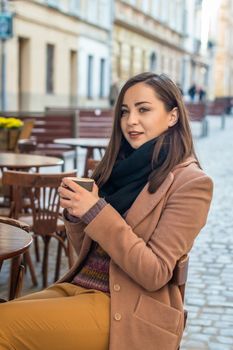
(69, 52)
(59, 55)
(148, 36)
(221, 32)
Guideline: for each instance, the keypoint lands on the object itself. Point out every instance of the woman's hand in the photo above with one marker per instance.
(76, 199)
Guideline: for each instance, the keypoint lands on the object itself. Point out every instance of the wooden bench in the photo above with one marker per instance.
(221, 107)
(95, 123)
(92, 123)
(49, 126)
(197, 113)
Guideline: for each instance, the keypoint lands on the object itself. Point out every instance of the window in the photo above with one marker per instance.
(102, 77)
(89, 76)
(75, 7)
(50, 68)
(53, 3)
(153, 62)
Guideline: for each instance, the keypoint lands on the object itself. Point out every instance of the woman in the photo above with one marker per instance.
(150, 201)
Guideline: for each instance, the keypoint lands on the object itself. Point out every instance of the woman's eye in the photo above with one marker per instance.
(123, 111)
(143, 110)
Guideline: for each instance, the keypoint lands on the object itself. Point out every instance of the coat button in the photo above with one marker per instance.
(116, 287)
(117, 316)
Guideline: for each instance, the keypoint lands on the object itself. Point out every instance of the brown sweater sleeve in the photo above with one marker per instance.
(89, 215)
(93, 211)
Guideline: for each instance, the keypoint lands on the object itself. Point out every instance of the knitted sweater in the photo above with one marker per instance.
(94, 273)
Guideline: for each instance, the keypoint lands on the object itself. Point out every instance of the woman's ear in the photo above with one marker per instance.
(173, 117)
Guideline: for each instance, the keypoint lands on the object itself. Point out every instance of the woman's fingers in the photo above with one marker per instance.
(65, 192)
(72, 185)
(65, 203)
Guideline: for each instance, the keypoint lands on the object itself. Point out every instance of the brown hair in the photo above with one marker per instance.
(177, 140)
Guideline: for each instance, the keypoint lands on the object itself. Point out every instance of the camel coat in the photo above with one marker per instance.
(146, 309)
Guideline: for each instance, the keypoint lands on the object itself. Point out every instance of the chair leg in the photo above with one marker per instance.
(19, 284)
(37, 251)
(15, 277)
(29, 263)
(45, 261)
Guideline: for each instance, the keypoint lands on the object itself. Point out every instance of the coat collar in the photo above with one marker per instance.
(145, 202)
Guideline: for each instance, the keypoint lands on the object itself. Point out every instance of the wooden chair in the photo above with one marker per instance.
(44, 220)
(91, 165)
(179, 278)
(25, 132)
(27, 145)
(16, 277)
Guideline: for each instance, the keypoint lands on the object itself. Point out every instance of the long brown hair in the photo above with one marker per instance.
(177, 140)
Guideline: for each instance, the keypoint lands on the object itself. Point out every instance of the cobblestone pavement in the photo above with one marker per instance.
(209, 291)
(209, 294)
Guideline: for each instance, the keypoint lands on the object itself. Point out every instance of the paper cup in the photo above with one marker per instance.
(85, 182)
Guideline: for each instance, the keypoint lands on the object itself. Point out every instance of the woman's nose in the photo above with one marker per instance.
(132, 118)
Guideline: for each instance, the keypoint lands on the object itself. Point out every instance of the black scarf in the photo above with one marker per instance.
(129, 175)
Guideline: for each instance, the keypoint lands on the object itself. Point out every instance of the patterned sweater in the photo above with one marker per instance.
(94, 273)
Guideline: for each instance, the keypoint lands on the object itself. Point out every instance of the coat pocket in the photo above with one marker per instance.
(158, 314)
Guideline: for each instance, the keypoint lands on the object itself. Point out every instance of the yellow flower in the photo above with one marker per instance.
(10, 123)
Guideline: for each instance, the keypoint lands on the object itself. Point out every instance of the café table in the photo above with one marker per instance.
(14, 241)
(24, 162)
(90, 144)
(19, 161)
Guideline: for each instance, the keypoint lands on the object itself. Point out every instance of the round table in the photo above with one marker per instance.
(89, 143)
(13, 242)
(84, 142)
(27, 161)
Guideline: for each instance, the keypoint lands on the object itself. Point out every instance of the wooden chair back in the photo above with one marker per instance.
(42, 191)
(91, 165)
(179, 278)
(180, 274)
(25, 132)
(27, 145)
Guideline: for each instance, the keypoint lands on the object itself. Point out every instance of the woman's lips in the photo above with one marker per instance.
(134, 134)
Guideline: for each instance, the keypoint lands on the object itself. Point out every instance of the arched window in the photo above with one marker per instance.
(153, 62)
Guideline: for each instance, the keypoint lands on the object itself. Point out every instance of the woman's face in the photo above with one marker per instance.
(144, 116)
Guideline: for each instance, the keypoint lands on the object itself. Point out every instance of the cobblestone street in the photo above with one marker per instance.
(209, 292)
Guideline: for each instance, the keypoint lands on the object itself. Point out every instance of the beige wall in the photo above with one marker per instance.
(223, 65)
(41, 25)
(136, 35)
(131, 55)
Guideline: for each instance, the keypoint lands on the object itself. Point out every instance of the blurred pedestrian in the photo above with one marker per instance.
(201, 94)
(192, 92)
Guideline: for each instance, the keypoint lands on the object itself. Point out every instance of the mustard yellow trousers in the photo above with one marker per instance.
(61, 317)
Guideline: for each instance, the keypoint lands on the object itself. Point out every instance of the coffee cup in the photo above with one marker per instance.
(85, 182)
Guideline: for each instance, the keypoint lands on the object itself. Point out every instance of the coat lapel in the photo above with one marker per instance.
(145, 202)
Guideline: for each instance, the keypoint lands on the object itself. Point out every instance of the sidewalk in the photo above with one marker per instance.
(209, 293)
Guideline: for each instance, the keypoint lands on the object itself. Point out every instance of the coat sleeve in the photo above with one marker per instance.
(151, 264)
(75, 233)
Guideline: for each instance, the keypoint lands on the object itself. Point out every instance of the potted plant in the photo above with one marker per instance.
(9, 133)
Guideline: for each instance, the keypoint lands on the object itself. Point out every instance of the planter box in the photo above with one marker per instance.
(8, 139)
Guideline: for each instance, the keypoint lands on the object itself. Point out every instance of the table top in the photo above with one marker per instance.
(25, 161)
(13, 241)
(84, 142)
